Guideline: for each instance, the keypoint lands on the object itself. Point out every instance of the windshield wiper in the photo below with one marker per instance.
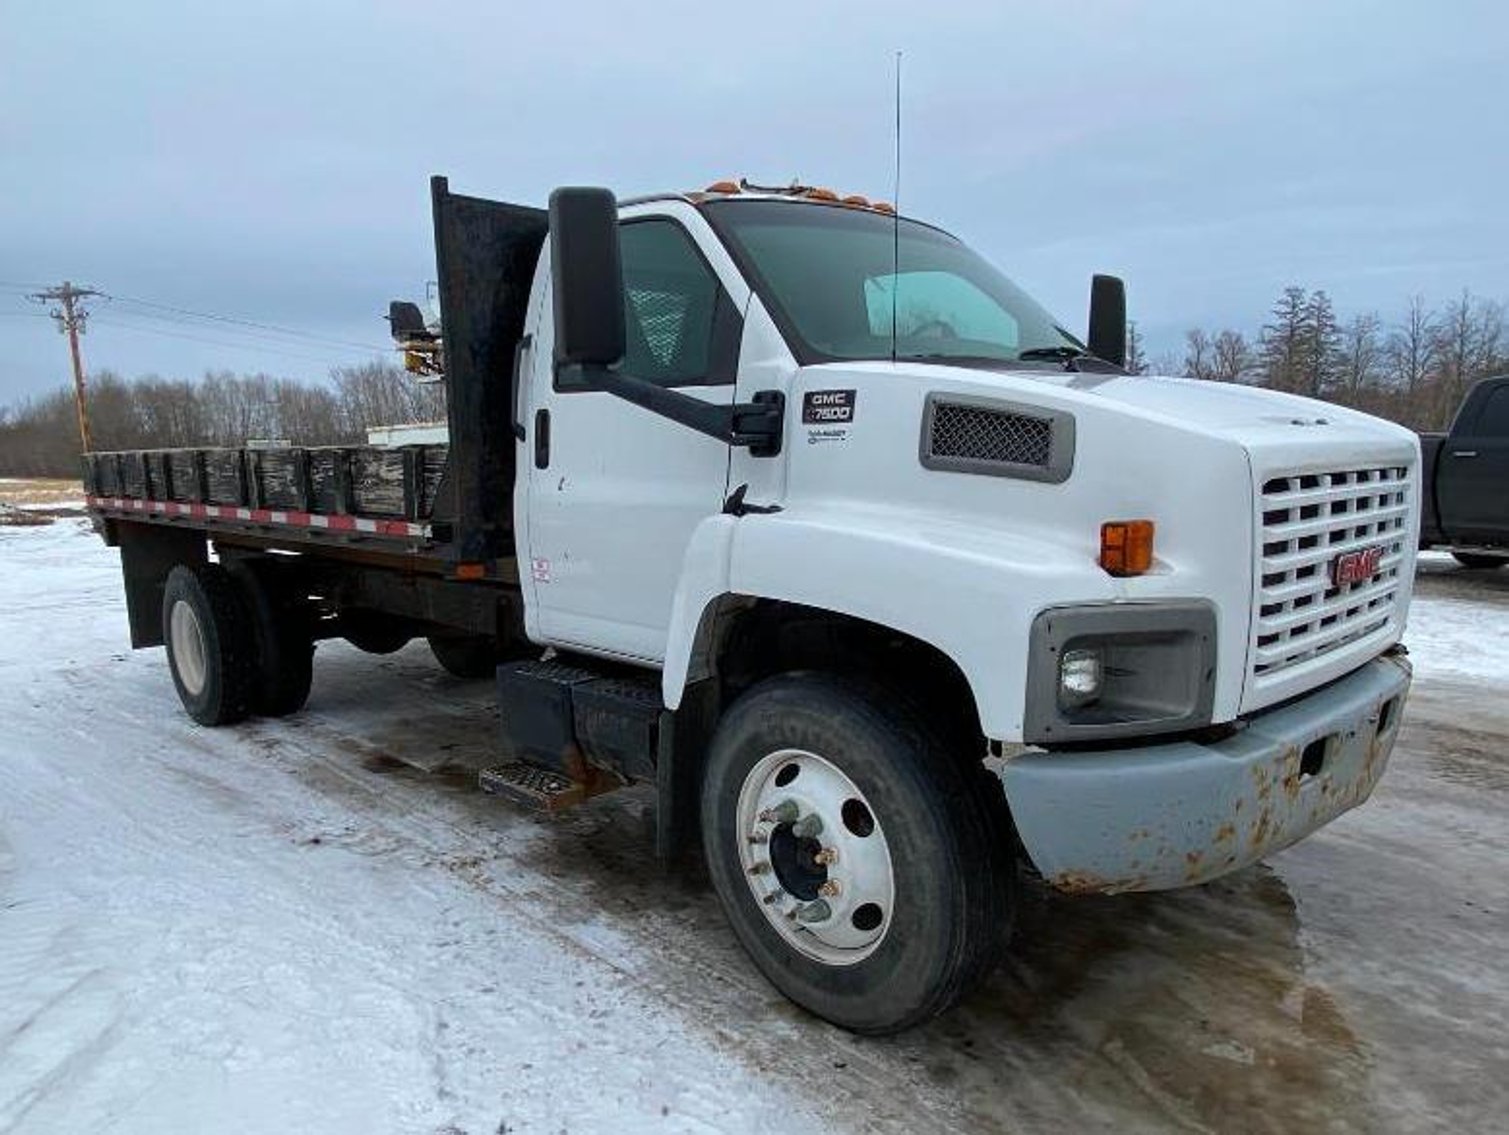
(1071, 357)
(1065, 354)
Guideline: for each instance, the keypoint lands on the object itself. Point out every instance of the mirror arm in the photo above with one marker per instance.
(756, 425)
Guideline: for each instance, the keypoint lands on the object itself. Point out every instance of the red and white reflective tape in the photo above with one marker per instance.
(265, 516)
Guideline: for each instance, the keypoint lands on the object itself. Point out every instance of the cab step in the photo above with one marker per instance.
(541, 789)
(575, 719)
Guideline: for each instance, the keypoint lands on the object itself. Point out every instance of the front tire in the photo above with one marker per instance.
(862, 864)
(465, 656)
(211, 647)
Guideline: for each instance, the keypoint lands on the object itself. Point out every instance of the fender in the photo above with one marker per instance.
(969, 593)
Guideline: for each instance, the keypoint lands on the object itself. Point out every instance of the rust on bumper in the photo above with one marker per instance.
(1156, 817)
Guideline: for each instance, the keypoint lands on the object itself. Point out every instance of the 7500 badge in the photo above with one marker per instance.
(827, 407)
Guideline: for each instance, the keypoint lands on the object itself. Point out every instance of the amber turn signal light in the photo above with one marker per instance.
(1126, 546)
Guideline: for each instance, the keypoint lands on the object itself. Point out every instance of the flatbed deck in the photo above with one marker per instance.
(387, 496)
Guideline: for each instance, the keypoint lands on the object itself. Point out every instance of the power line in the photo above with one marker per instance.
(249, 338)
(272, 327)
(258, 347)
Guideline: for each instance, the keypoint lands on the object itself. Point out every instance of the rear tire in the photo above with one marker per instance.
(282, 626)
(373, 632)
(943, 860)
(211, 646)
(1478, 561)
(466, 656)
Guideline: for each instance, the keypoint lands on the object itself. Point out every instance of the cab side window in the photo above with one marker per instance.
(681, 327)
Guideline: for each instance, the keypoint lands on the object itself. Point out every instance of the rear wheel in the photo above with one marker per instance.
(859, 860)
(373, 632)
(466, 656)
(282, 627)
(211, 647)
(1479, 560)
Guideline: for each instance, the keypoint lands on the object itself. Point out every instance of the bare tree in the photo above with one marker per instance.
(1361, 358)
(1467, 346)
(380, 394)
(1410, 355)
(1198, 354)
(1136, 356)
(1231, 356)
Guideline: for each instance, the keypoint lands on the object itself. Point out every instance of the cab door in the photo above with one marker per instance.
(614, 490)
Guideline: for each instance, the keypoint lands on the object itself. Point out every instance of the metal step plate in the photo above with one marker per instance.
(543, 789)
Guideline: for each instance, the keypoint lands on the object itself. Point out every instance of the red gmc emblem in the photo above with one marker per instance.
(1354, 567)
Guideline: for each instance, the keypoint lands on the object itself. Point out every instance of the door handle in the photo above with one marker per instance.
(542, 438)
(1464, 453)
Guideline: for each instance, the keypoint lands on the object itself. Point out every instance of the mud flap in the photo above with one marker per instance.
(148, 553)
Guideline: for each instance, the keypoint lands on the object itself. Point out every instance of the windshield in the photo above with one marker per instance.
(832, 282)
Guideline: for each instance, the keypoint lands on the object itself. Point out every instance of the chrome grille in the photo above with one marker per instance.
(1308, 521)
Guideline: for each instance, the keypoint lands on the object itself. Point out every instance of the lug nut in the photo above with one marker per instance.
(816, 911)
(759, 837)
(826, 857)
(772, 897)
(785, 812)
(830, 889)
(759, 868)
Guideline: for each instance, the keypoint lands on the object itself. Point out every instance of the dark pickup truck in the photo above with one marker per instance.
(1466, 486)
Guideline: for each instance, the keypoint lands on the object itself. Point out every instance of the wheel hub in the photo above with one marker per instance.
(794, 859)
(815, 856)
(189, 653)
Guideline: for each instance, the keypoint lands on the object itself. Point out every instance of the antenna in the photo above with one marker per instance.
(896, 214)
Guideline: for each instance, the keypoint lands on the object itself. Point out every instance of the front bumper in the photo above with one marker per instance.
(1155, 817)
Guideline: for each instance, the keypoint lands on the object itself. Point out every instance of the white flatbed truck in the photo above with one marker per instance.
(804, 514)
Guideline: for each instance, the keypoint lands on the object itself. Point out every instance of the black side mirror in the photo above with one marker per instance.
(1108, 319)
(587, 276)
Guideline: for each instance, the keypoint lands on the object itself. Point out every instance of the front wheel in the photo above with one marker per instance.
(466, 656)
(862, 864)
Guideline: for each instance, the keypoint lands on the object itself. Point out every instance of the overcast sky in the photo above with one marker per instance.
(269, 161)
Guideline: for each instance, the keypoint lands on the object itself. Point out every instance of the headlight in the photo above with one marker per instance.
(1079, 676)
(1120, 670)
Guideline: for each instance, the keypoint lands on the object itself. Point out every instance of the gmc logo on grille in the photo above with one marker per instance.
(1354, 567)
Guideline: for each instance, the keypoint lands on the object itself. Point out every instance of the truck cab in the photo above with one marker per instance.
(1164, 613)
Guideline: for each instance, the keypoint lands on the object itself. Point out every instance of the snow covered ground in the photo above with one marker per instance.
(288, 927)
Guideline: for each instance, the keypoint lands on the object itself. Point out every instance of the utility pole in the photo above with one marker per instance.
(71, 317)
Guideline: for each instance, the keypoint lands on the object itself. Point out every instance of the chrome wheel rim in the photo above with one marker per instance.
(188, 647)
(815, 857)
